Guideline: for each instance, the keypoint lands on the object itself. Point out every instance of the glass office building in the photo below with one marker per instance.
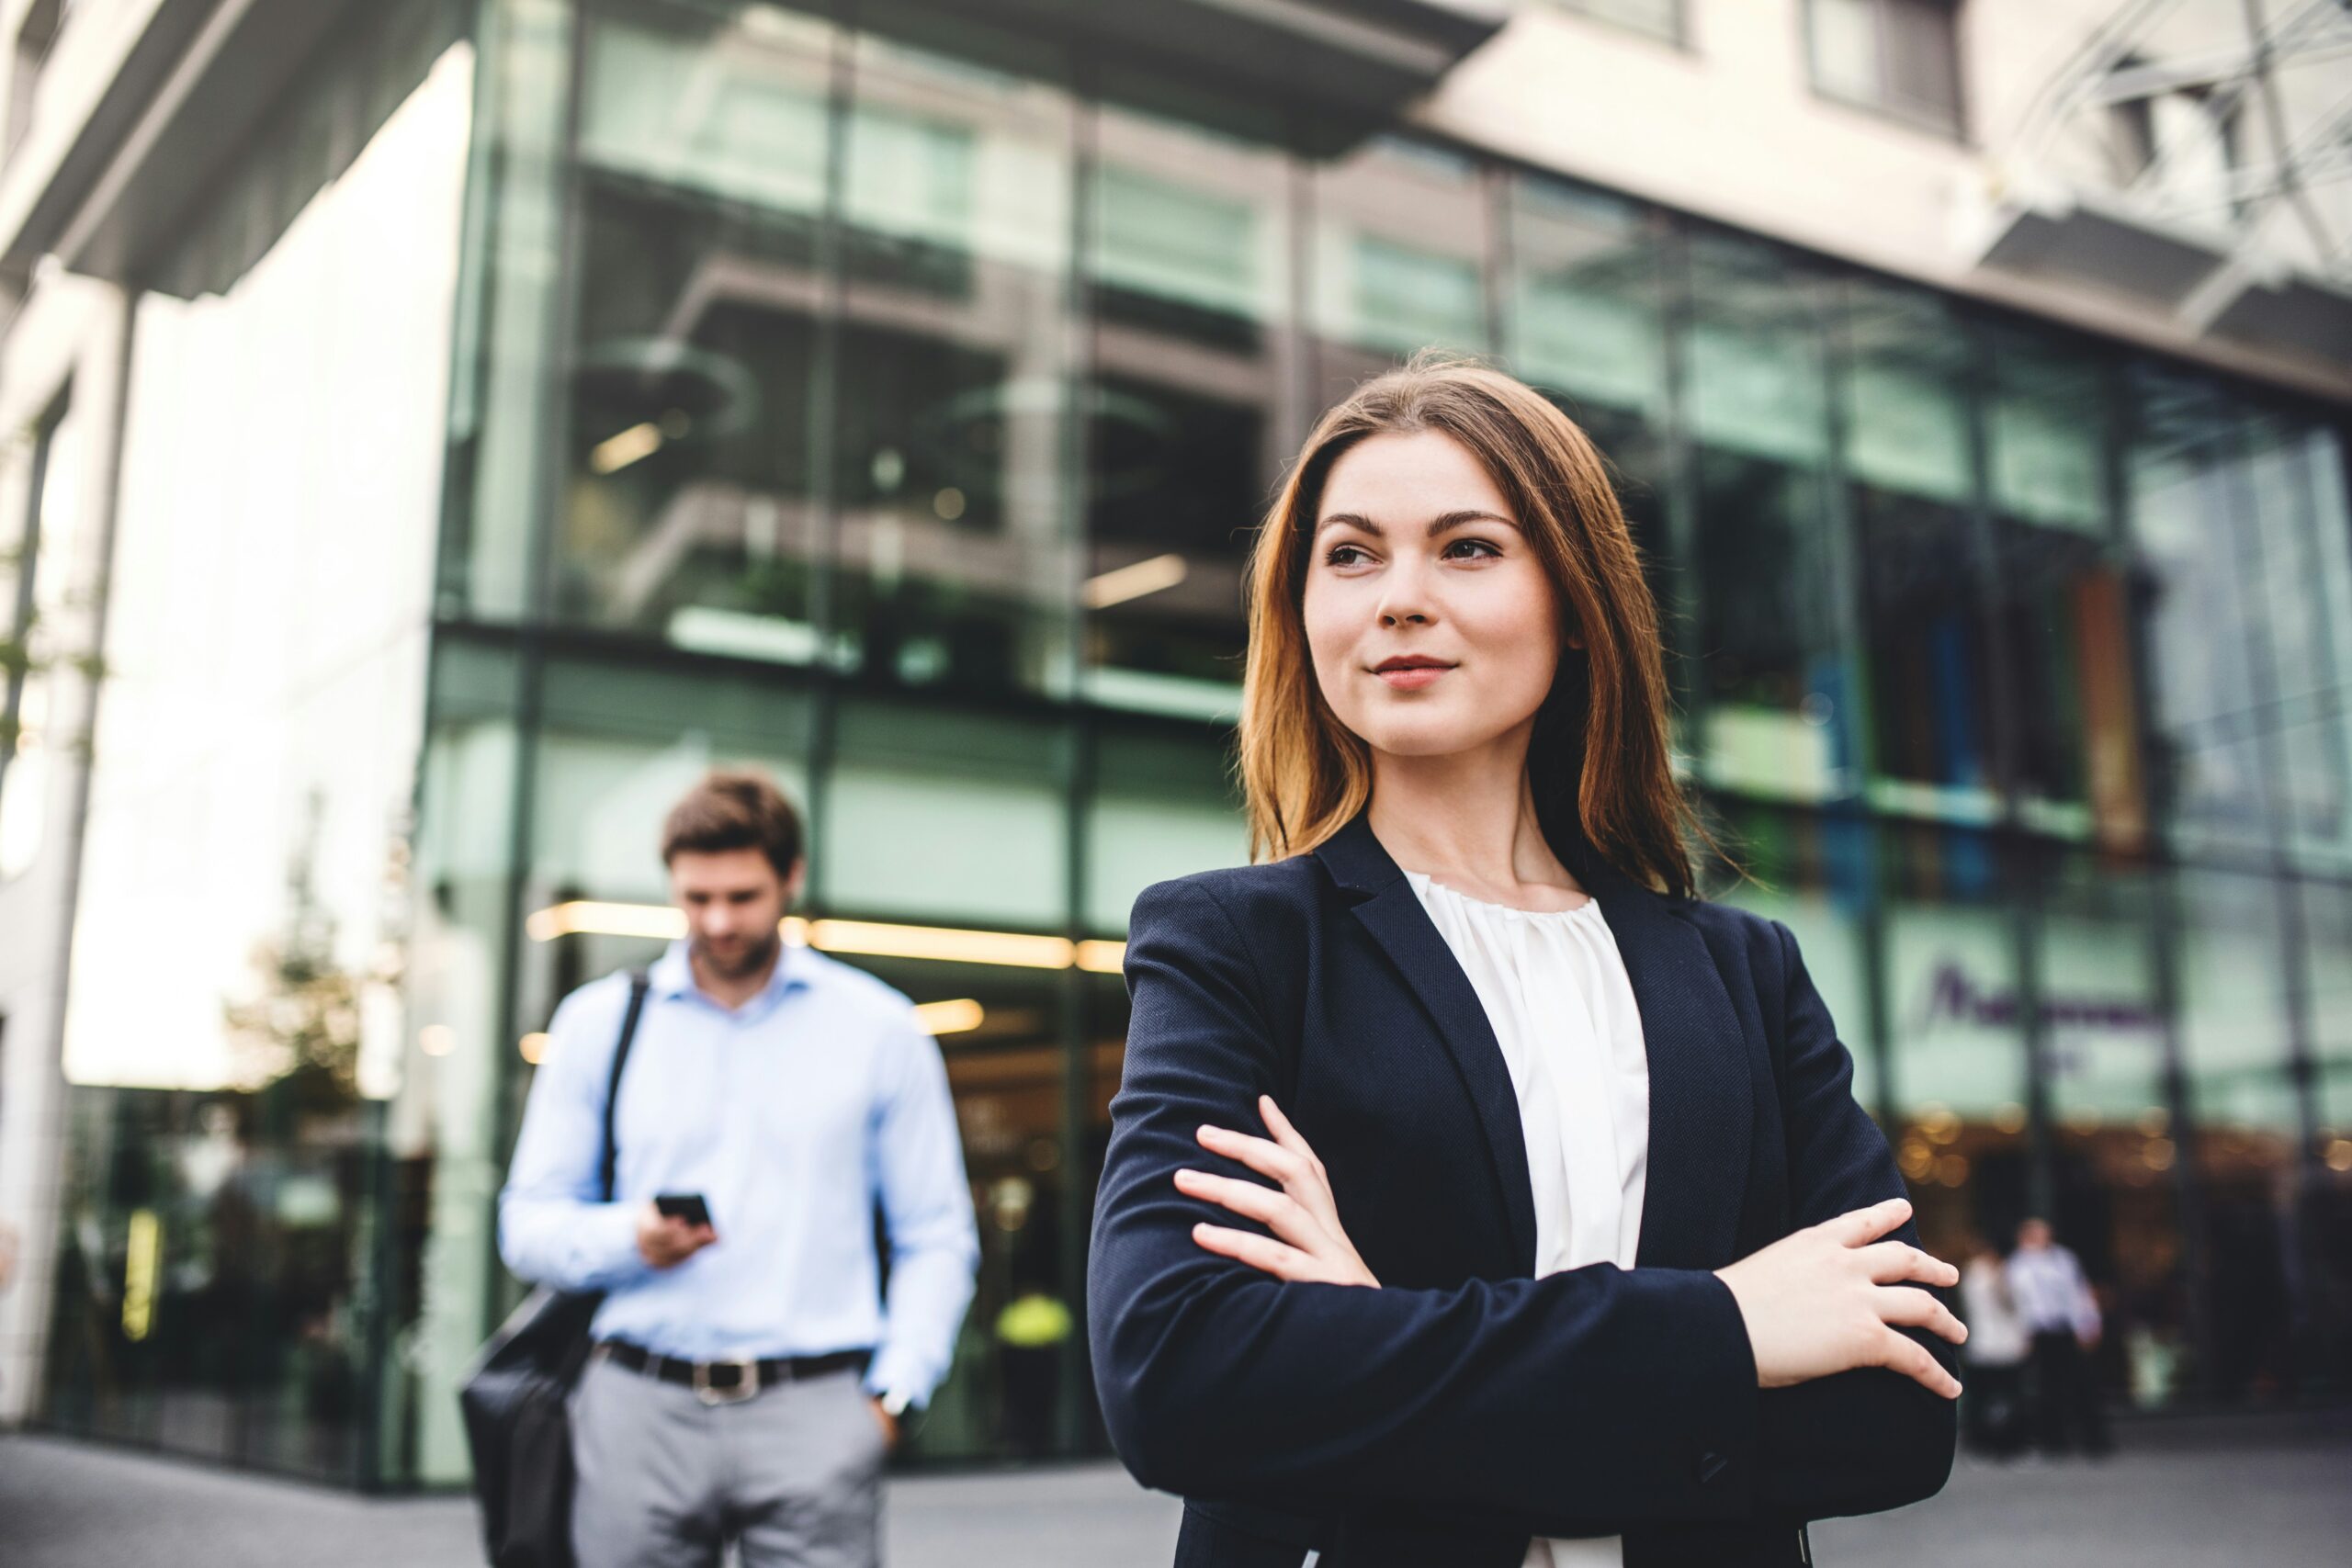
(576, 395)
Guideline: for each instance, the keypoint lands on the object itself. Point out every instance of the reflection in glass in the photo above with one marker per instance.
(1777, 722)
(2188, 520)
(2064, 592)
(1584, 322)
(1398, 259)
(1910, 486)
(688, 511)
(1189, 270)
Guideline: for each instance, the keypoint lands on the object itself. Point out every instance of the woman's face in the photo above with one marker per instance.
(1433, 627)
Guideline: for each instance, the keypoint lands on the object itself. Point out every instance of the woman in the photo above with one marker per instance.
(1578, 1248)
(1992, 1415)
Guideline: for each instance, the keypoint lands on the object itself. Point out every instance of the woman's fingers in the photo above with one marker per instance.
(1278, 1211)
(1861, 1226)
(1262, 1253)
(1285, 1134)
(1264, 1158)
(1890, 1261)
(1918, 1309)
(1901, 1354)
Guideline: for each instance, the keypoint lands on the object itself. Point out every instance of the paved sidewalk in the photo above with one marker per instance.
(2226, 1491)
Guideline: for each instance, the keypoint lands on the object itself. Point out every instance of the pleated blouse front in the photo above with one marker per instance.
(1557, 998)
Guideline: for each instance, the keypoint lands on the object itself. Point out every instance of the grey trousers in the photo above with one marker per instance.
(793, 1475)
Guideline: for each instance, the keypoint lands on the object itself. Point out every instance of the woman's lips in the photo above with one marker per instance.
(1412, 678)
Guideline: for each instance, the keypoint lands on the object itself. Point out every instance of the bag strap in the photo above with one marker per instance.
(639, 982)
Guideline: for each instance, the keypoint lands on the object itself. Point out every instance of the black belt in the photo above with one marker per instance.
(726, 1383)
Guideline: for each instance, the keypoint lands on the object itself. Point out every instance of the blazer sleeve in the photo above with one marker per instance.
(1867, 1439)
(1600, 1393)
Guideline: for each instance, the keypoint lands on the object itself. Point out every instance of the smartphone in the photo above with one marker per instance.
(686, 1206)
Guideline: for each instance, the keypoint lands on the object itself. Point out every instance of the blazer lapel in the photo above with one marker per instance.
(1397, 922)
(1700, 1090)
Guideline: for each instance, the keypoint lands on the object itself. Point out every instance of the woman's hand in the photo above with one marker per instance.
(1307, 1242)
(1825, 1299)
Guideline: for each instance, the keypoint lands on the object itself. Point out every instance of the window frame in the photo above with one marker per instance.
(1676, 37)
(1958, 130)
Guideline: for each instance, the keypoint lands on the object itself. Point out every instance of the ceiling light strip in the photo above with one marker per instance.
(875, 938)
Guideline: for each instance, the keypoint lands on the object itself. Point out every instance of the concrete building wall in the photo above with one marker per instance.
(1730, 127)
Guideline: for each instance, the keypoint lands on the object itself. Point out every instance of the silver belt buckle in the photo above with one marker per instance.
(742, 1390)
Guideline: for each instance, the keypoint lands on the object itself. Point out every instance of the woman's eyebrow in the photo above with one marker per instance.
(1438, 524)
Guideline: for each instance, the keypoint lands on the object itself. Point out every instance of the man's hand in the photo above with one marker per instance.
(665, 1242)
(889, 1422)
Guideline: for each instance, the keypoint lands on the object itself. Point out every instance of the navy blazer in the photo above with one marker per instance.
(1465, 1406)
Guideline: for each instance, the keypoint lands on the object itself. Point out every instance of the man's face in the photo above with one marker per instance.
(2033, 1235)
(733, 901)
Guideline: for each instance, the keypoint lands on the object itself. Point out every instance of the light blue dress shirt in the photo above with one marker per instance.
(793, 1116)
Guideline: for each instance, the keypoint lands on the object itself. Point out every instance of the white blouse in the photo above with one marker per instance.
(1560, 1005)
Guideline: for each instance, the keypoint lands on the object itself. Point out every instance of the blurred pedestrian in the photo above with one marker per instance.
(1993, 1408)
(2062, 1318)
(748, 1376)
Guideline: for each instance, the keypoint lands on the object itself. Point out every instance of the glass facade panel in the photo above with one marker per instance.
(1585, 320)
(1163, 805)
(2186, 520)
(1397, 257)
(1780, 711)
(247, 842)
(2062, 587)
(1911, 484)
(2235, 1033)
(2105, 1047)
(1955, 1002)
(1196, 367)
(689, 511)
(954, 375)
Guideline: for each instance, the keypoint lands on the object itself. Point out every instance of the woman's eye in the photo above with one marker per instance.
(1479, 544)
(1341, 554)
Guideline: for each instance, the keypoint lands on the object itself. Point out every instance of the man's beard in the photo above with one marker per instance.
(754, 959)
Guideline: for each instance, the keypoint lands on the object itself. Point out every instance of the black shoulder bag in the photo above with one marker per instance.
(514, 1395)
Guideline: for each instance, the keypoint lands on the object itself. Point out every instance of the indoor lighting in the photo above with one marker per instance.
(437, 1040)
(1009, 949)
(606, 920)
(949, 1018)
(634, 445)
(874, 939)
(1133, 581)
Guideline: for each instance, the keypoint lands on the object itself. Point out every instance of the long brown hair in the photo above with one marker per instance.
(1599, 762)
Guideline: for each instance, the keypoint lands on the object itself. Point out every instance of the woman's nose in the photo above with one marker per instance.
(1405, 599)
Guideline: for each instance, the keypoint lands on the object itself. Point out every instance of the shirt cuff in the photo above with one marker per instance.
(605, 1246)
(890, 1374)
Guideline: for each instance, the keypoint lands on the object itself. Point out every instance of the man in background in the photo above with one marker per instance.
(2061, 1317)
(748, 1377)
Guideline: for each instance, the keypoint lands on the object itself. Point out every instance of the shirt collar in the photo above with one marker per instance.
(672, 975)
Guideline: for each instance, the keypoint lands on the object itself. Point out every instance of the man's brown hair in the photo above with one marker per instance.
(734, 809)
